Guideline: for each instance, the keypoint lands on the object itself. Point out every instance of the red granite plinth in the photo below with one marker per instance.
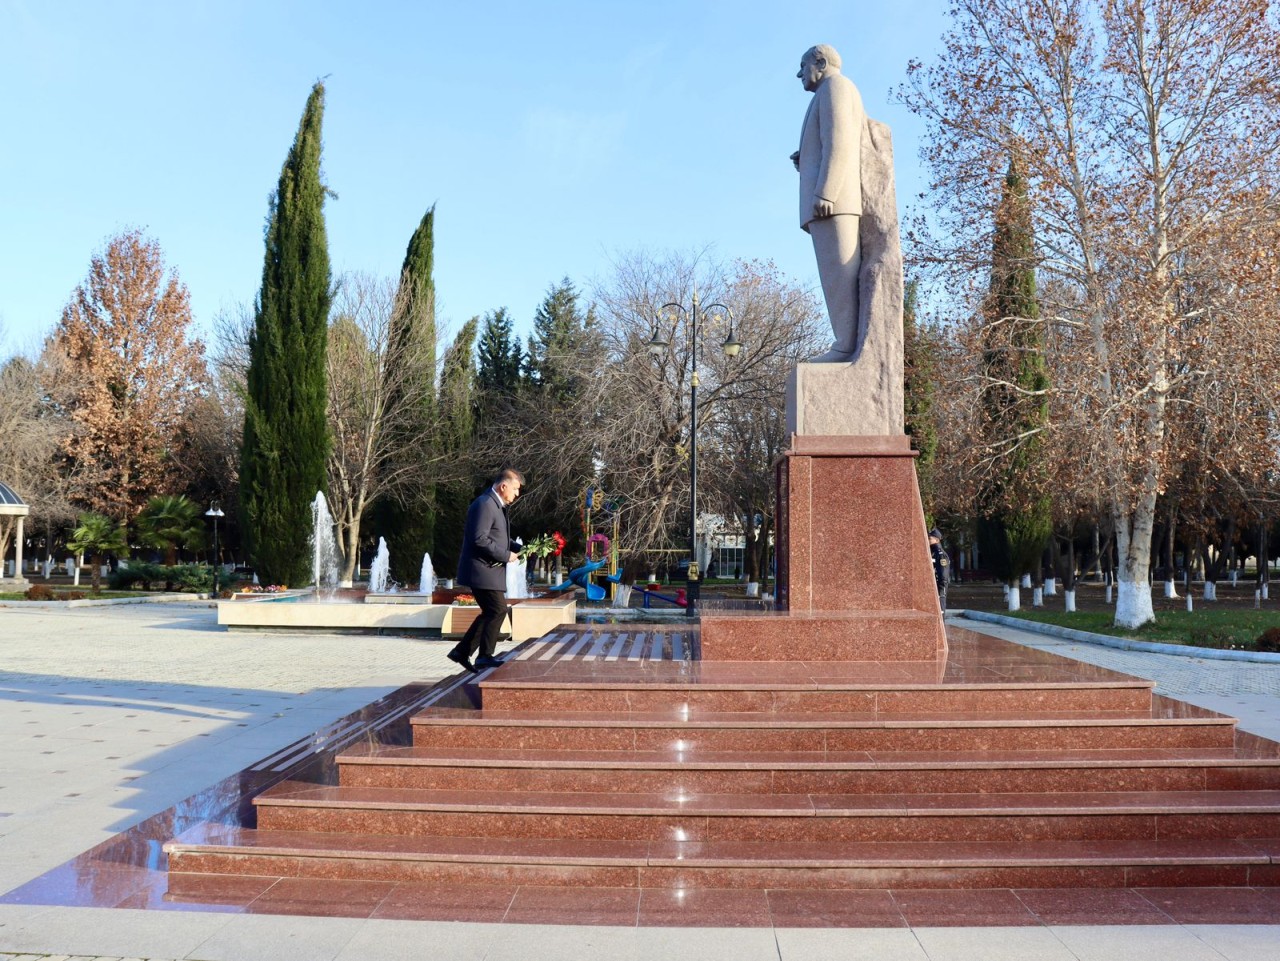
(595, 766)
(855, 580)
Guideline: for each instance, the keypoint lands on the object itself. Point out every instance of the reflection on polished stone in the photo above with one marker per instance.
(606, 776)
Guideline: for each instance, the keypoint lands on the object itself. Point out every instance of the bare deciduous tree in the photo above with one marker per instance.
(371, 454)
(1151, 132)
(631, 418)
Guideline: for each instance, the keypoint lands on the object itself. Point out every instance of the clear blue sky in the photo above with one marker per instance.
(551, 136)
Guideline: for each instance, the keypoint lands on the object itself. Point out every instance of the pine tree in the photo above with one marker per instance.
(565, 348)
(557, 332)
(282, 457)
(457, 401)
(1015, 520)
(499, 357)
(408, 521)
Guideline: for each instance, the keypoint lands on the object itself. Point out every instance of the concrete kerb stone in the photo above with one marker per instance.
(1121, 643)
(103, 602)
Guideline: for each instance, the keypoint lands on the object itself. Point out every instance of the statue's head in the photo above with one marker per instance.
(817, 64)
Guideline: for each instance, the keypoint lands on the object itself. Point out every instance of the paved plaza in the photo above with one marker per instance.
(110, 715)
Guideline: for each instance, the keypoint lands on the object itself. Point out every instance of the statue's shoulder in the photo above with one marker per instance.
(843, 86)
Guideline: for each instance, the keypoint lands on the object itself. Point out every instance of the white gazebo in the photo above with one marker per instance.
(11, 505)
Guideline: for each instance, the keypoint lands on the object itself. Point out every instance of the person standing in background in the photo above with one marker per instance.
(941, 566)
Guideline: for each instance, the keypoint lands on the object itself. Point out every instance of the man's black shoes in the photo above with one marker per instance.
(458, 657)
(485, 662)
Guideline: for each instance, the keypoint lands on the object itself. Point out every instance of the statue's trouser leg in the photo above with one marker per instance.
(835, 245)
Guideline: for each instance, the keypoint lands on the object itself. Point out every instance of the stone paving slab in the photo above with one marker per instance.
(411, 941)
(110, 715)
(1246, 690)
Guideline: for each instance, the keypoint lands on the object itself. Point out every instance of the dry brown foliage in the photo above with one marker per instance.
(1151, 134)
(136, 376)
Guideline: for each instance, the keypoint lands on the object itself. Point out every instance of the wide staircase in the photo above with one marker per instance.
(619, 759)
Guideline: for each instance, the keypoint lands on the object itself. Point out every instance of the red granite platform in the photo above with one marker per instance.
(619, 762)
(855, 579)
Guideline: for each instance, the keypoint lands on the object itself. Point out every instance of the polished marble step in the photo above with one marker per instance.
(512, 688)
(826, 864)
(696, 730)
(855, 772)
(676, 815)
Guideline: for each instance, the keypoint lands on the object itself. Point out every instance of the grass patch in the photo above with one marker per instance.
(1227, 630)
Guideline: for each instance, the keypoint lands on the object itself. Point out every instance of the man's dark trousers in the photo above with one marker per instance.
(483, 632)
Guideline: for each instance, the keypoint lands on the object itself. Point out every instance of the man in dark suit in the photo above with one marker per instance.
(482, 566)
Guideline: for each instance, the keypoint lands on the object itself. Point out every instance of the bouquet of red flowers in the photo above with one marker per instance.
(545, 545)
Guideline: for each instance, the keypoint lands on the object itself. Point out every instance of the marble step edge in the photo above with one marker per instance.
(1079, 804)
(942, 687)
(730, 854)
(748, 721)
(491, 758)
(818, 614)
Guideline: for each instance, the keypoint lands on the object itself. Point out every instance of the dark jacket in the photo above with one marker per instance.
(941, 565)
(486, 545)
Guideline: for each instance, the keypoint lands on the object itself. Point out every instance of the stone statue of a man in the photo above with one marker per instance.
(830, 165)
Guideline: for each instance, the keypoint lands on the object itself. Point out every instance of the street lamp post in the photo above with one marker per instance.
(657, 346)
(215, 511)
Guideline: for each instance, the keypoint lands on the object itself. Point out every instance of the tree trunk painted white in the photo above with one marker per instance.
(1050, 587)
(1265, 591)
(1005, 589)
(1171, 589)
(75, 582)
(1037, 597)
(1133, 603)
(1191, 603)
(1133, 542)
(1015, 599)
(1108, 592)
(1026, 580)
(1233, 578)
(1070, 596)
(1210, 590)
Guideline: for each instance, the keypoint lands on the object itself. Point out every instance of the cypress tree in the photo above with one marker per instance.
(920, 352)
(286, 438)
(408, 521)
(457, 402)
(1014, 520)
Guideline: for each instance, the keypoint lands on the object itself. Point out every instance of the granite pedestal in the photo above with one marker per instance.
(855, 581)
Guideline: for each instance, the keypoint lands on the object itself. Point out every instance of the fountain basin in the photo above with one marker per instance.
(530, 617)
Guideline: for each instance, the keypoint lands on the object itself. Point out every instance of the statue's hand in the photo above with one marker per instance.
(795, 159)
(823, 207)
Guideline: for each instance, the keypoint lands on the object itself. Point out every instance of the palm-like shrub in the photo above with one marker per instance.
(169, 522)
(97, 535)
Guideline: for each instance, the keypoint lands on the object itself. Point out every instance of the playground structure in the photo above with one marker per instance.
(594, 502)
(601, 513)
